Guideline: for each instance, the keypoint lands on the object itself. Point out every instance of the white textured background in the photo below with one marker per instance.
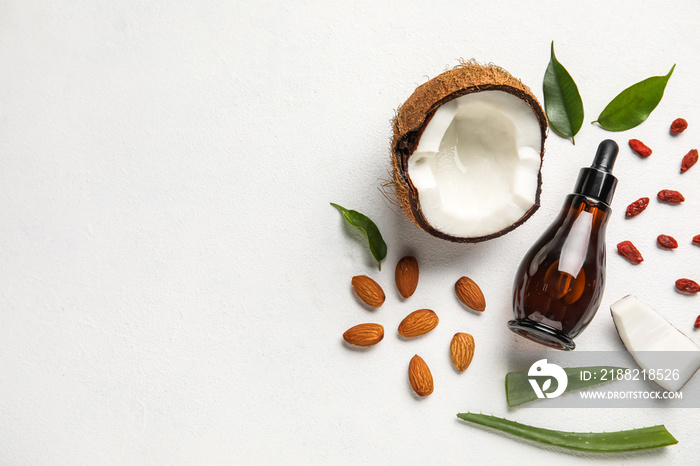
(174, 285)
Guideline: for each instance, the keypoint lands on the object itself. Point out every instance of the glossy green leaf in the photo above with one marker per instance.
(377, 246)
(519, 391)
(644, 438)
(562, 101)
(633, 105)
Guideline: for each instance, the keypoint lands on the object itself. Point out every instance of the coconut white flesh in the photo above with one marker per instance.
(477, 163)
(653, 342)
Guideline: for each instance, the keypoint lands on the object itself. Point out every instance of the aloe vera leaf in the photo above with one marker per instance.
(562, 100)
(377, 246)
(519, 391)
(605, 442)
(633, 105)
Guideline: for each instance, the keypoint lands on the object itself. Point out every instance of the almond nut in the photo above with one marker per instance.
(364, 334)
(407, 276)
(420, 377)
(470, 294)
(462, 350)
(368, 290)
(418, 323)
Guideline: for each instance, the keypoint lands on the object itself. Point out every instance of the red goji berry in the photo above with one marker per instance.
(689, 159)
(637, 207)
(627, 250)
(687, 285)
(640, 148)
(697, 322)
(696, 240)
(667, 242)
(670, 196)
(679, 125)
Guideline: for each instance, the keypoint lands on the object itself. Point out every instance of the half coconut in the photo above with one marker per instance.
(467, 153)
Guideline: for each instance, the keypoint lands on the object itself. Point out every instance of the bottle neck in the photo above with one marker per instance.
(574, 204)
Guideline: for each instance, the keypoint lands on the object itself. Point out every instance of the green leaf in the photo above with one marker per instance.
(377, 246)
(562, 101)
(633, 105)
(644, 438)
(519, 391)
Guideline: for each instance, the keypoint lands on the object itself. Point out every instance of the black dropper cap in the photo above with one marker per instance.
(597, 181)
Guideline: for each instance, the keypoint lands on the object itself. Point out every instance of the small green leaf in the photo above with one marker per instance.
(519, 391)
(377, 246)
(562, 101)
(633, 105)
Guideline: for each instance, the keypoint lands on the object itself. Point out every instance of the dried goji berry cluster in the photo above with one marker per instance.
(628, 250)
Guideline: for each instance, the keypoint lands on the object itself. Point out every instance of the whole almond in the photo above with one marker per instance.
(470, 294)
(420, 377)
(462, 350)
(407, 276)
(418, 323)
(368, 290)
(364, 334)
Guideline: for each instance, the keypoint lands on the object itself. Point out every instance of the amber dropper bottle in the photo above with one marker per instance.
(559, 284)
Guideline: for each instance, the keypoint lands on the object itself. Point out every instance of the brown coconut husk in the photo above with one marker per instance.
(413, 116)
